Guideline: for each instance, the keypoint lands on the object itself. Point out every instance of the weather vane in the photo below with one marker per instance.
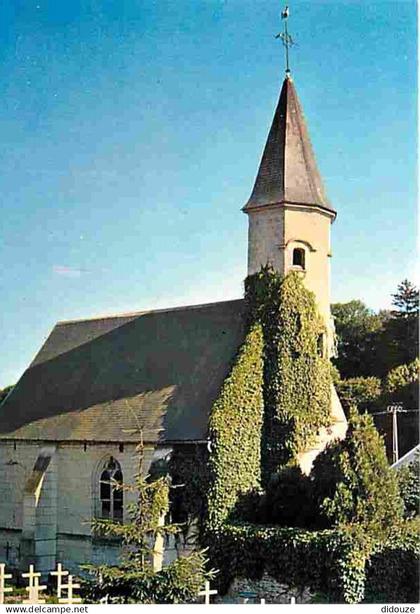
(286, 38)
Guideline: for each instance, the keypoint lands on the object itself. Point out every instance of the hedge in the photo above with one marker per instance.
(339, 563)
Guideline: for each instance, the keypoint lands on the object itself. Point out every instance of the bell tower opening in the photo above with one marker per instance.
(299, 257)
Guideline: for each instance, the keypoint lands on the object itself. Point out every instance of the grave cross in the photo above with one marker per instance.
(207, 592)
(3, 578)
(60, 573)
(34, 587)
(70, 597)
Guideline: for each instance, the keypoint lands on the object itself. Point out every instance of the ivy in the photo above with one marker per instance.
(297, 378)
(392, 571)
(235, 431)
(341, 563)
(328, 561)
(188, 467)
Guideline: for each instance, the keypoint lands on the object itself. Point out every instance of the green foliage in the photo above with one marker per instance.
(353, 482)
(409, 484)
(329, 561)
(134, 580)
(402, 376)
(288, 500)
(297, 379)
(179, 582)
(373, 344)
(406, 300)
(360, 391)
(235, 430)
(357, 329)
(188, 467)
(4, 392)
(392, 570)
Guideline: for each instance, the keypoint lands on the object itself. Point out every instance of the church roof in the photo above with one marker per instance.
(93, 380)
(288, 172)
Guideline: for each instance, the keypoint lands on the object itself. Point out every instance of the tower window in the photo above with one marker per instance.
(299, 257)
(111, 497)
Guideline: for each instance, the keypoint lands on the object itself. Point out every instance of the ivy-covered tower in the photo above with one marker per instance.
(289, 228)
(289, 214)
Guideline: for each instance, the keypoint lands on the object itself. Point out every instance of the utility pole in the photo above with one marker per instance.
(394, 410)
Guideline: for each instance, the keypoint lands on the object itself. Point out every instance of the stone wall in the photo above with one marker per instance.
(45, 514)
(266, 588)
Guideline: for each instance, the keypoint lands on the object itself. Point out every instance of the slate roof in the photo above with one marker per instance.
(93, 379)
(288, 172)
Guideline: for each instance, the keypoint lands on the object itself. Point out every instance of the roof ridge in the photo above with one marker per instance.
(133, 314)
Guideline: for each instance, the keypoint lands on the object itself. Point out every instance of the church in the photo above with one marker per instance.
(72, 421)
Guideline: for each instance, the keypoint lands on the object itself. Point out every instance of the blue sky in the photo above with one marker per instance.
(132, 131)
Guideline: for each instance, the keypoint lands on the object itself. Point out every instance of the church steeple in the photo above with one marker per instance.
(288, 172)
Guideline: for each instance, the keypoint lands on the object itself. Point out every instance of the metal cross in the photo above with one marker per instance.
(34, 587)
(70, 597)
(207, 592)
(285, 37)
(60, 573)
(3, 578)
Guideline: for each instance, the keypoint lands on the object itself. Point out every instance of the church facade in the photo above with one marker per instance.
(71, 423)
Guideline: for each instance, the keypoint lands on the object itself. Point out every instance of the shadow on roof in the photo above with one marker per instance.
(162, 370)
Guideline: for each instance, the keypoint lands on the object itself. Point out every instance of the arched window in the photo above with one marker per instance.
(111, 497)
(299, 257)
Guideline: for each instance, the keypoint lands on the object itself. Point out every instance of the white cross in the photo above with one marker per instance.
(262, 601)
(3, 578)
(60, 573)
(70, 597)
(207, 592)
(34, 587)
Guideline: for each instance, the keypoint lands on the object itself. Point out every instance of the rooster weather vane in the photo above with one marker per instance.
(285, 37)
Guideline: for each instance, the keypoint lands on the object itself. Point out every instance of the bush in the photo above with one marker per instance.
(288, 501)
(360, 391)
(328, 561)
(392, 571)
(179, 582)
(409, 483)
(402, 376)
(353, 482)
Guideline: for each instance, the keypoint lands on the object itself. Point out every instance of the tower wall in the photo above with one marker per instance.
(265, 238)
(308, 228)
(274, 233)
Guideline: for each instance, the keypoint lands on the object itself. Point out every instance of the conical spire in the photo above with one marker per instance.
(288, 172)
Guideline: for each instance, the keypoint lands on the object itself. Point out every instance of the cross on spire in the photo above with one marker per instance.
(286, 38)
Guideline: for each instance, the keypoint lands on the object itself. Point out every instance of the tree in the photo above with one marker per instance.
(353, 482)
(401, 333)
(409, 483)
(357, 329)
(406, 300)
(5, 392)
(136, 579)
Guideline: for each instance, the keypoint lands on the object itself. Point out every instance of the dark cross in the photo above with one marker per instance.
(285, 37)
